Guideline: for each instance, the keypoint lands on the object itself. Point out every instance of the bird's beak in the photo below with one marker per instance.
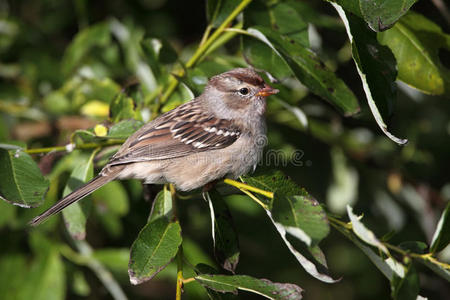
(267, 91)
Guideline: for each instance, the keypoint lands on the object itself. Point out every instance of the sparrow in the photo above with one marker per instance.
(218, 134)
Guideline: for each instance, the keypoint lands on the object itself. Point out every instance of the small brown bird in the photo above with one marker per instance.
(218, 134)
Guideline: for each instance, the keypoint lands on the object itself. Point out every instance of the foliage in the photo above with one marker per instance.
(75, 86)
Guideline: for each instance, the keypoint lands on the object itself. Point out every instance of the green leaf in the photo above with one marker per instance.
(202, 268)
(112, 199)
(225, 238)
(350, 6)
(406, 287)
(381, 264)
(79, 284)
(22, 183)
(263, 287)
(289, 23)
(7, 213)
(158, 51)
(94, 36)
(308, 68)
(308, 265)
(301, 216)
(273, 181)
(124, 129)
(295, 212)
(218, 10)
(363, 233)
(376, 68)
(261, 56)
(441, 236)
(415, 42)
(382, 14)
(162, 206)
(75, 215)
(13, 266)
(344, 188)
(155, 247)
(414, 246)
(83, 136)
(121, 108)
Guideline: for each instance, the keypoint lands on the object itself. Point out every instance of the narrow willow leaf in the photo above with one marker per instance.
(308, 68)
(263, 287)
(155, 247)
(225, 238)
(416, 42)
(344, 188)
(309, 266)
(75, 215)
(363, 233)
(295, 212)
(406, 287)
(201, 269)
(301, 216)
(376, 68)
(381, 264)
(382, 14)
(21, 181)
(441, 236)
(162, 206)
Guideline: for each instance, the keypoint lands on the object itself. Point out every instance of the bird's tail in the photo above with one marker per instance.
(76, 195)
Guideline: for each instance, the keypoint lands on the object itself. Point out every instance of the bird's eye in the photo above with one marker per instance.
(243, 91)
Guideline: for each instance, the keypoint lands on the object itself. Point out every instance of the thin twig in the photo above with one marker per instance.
(173, 83)
(71, 147)
(180, 279)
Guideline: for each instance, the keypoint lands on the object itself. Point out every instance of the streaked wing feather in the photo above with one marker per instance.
(181, 132)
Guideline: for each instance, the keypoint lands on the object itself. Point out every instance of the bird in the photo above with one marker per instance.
(218, 134)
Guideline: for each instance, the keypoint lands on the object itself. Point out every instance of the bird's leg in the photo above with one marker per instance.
(209, 186)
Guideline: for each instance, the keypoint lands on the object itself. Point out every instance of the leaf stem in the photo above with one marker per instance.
(238, 30)
(180, 279)
(203, 47)
(254, 198)
(71, 147)
(241, 185)
(187, 280)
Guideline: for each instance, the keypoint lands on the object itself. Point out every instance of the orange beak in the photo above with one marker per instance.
(267, 91)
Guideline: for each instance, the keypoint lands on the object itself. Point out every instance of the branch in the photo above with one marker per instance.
(180, 279)
(71, 147)
(204, 45)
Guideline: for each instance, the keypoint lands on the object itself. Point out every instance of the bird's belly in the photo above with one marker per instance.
(198, 169)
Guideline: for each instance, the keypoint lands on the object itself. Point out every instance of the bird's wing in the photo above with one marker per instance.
(180, 132)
